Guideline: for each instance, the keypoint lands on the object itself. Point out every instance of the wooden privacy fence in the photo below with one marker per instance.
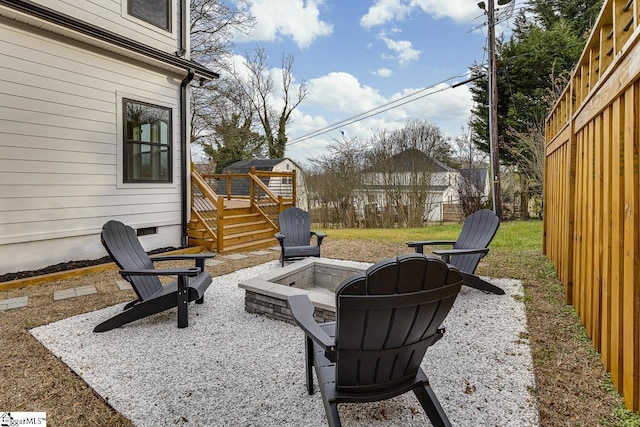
(592, 192)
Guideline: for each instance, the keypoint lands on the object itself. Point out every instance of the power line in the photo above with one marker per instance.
(381, 108)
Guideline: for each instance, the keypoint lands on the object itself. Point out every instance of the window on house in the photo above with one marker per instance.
(155, 12)
(147, 142)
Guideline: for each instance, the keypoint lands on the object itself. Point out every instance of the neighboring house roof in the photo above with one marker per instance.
(406, 162)
(245, 166)
(241, 186)
(477, 177)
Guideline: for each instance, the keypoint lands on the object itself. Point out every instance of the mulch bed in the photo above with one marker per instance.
(65, 266)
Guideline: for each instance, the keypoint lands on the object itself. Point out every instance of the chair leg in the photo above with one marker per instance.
(431, 405)
(331, 410)
(475, 282)
(183, 302)
(138, 311)
(309, 364)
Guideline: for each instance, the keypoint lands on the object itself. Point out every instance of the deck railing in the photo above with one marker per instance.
(592, 192)
(266, 193)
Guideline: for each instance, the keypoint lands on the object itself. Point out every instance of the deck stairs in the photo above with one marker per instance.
(243, 231)
(237, 223)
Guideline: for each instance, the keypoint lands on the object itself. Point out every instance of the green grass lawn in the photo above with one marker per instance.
(513, 235)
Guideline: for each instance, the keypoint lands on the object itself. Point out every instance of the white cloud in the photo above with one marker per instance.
(342, 92)
(297, 19)
(383, 72)
(403, 48)
(340, 96)
(458, 10)
(384, 11)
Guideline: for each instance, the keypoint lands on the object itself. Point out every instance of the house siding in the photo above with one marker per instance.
(112, 16)
(61, 154)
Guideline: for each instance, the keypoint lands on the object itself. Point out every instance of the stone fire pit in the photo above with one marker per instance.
(317, 277)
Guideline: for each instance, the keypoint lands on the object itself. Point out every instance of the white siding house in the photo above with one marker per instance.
(93, 107)
(412, 176)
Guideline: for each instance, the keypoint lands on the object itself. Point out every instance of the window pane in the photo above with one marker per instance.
(147, 142)
(147, 162)
(155, 12)
(147, 123)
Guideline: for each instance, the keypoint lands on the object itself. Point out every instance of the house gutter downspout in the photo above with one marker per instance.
(185, 167)
(184, 147)
(182, 31)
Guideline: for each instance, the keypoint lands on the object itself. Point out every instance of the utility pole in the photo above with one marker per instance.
(494, 151)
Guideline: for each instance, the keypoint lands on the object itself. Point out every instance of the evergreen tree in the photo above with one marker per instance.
(539, 51)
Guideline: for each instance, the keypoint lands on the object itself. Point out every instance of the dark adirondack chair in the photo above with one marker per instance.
(295, 235)
(386, 318)
(136, 267)
(472, 245)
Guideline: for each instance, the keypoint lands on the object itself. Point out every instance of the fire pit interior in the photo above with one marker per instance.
(318, 277)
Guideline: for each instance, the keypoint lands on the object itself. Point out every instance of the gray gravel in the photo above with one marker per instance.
(232, 368)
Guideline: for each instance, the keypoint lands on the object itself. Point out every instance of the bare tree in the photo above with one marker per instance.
(213, 25)
(402, 171)
(467, 155)
(333, 181)
(220, 104)
(529, 153)
(261, 90)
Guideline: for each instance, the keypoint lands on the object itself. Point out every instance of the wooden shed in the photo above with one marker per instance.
(592, 192)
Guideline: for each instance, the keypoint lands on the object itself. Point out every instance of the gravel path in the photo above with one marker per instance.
(232, 368)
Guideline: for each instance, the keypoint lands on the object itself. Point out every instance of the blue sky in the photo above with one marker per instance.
(357, 55)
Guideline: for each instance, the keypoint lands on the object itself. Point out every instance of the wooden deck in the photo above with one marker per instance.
(236, 223)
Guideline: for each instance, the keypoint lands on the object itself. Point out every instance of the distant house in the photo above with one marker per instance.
(275, 184)
(412, 177)
(94, 118)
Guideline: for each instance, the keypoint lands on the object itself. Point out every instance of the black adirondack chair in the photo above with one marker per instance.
(295, 235)
(472, 245)
(386, 318)
(136, 267)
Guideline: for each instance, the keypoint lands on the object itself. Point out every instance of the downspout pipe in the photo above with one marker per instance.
(185, 166)
(182, 30)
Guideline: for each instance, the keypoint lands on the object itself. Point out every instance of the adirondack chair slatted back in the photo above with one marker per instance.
(477, 232)
(386, 319)
(122, 244)
(296, 225)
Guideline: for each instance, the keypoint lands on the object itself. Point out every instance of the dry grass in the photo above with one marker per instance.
(572, 386)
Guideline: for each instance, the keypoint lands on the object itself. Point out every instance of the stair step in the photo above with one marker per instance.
(239, 227)
(234, 238)
(246, 217)
(251, 246)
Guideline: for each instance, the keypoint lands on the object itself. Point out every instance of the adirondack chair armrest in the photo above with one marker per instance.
(179, 257)
(191, 272)
(198, 258)
(419, 245)
(280, 238)
(319, 236)
(447, 254)
(302, 313)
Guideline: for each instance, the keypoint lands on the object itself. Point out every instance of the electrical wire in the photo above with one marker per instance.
(381, 108)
